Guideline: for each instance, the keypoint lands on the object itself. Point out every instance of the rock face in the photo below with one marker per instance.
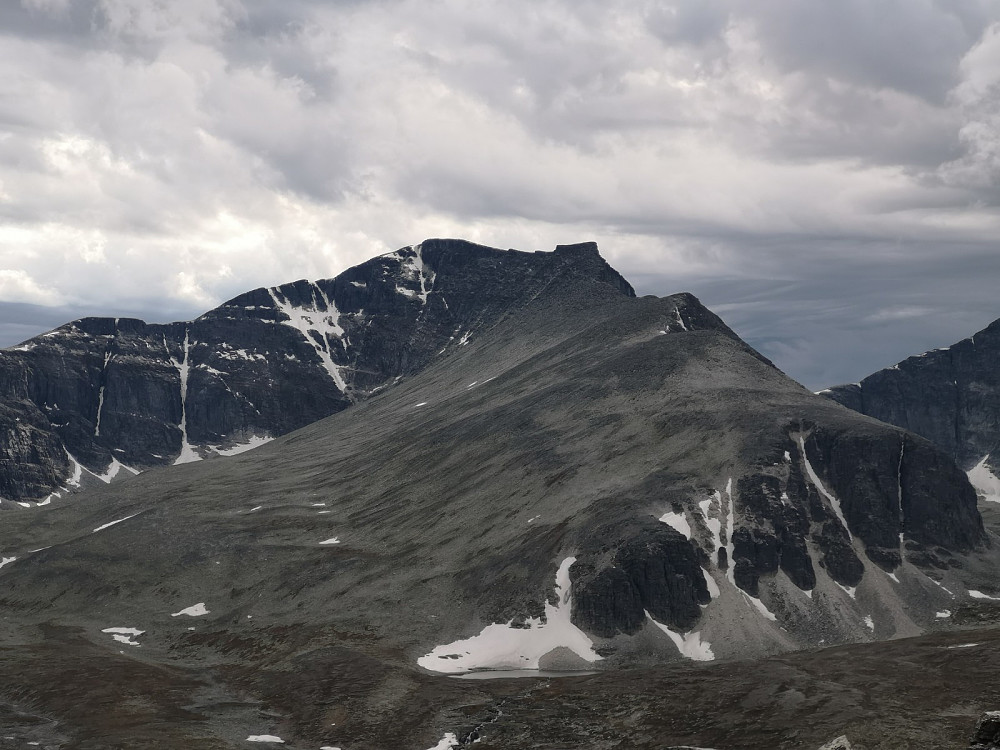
(950, 396)
(102, 394)
(987, 733)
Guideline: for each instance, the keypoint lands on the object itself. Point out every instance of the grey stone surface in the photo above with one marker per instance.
(986, 735)
(262, 364)
(950, 396)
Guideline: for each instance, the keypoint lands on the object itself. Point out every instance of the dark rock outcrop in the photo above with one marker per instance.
(986, 735)
(654, 570)
(950, 396)
(105, 392)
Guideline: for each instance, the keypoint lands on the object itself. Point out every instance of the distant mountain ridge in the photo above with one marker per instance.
(951, 396)
(102, 397)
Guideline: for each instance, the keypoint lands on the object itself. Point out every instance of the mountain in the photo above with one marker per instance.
(950, 396)
(591, 481)
(108, 397)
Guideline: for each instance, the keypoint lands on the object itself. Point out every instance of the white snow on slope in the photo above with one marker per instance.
(981, 595)
(112, 471)
(124, 635)
(943, 614)
(759, 606)
(689, 644)
(309, 320)
(332, 540)
(188, 453)
(100, 396)
(255, 442)
(713, 587)
(850, 591)
(730, 528)
(964, 645)
(6, 561)
(414, 269)
(818, 484)
(265, 738)
(112, 523)
(714, 524)
(447, 742)
(501, 646)
(986, 483)
(195, 610)
(77, 476)
(678, 522)
(870, 623)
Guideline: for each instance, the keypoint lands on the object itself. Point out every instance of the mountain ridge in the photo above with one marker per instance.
(950, 395)
(99, 395)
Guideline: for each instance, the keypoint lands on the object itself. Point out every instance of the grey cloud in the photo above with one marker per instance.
(803, 165)
(914, 47)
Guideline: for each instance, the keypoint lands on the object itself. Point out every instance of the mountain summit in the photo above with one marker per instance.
(104, 397)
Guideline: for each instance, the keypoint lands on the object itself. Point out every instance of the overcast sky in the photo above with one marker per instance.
(823, 174)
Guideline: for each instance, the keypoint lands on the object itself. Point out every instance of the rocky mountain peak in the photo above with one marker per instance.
(99, 394)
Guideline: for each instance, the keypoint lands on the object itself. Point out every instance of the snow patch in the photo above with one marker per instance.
(730, 528)
(850, 591)
(870, 623)
(124, 635)
(714, 524)
(413, 267)
(77, 476)
(986, 483)
(943, 614)
(502, 646)
(6, 561)
(713, 587)
(255, 442)
(818, 484)
(678, 522)
(112, 523)
(265, 738)
(195, 610)
(964, 645)
(981, 595)
(113, 469)
(332, 540)
(448, 741)
(188, 453)
(311, 320)
(689, 644)
(759, 606)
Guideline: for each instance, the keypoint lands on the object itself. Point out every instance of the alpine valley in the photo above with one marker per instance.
(468, 463)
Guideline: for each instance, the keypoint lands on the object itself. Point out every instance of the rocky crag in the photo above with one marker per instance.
(109, 397)
(950, 396)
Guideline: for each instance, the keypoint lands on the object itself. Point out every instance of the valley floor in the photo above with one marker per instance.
(62, 691)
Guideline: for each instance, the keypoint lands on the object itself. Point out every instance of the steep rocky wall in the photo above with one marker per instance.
(106, 392)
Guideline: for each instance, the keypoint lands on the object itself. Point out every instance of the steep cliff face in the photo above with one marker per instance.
(105, 397)
(950, 396)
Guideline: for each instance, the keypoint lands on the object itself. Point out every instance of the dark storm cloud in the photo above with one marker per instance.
(814, 170)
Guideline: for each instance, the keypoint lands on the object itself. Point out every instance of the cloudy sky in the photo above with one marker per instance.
(823, 174)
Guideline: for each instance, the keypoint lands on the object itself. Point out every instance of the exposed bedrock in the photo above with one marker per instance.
(656, 570)
(950, 396)
(263, 364)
